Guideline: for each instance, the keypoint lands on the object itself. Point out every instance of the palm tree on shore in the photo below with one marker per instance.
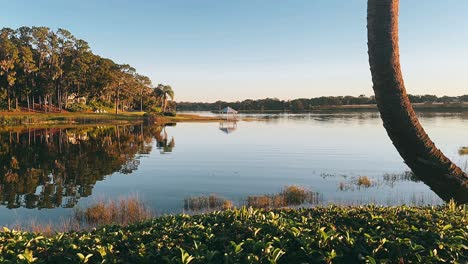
(164, 92)
(399, 119)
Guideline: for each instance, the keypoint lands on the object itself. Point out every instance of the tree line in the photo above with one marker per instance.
(301, 104)
(41, 69)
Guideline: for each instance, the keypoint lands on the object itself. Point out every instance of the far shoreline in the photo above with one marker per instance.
(443, 107)
(25, 118)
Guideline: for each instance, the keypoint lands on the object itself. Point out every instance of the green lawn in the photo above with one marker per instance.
(24, 118)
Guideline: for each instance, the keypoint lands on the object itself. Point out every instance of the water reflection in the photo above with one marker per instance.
(163, 143)
(228, 126)
(55, 167)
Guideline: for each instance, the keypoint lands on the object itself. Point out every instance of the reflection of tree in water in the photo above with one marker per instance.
(47, 168)
(162, 140)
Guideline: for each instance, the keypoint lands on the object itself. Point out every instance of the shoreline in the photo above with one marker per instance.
(186, 118)
(14, 119)
(452, 107)
(81, 118)
(27, 118)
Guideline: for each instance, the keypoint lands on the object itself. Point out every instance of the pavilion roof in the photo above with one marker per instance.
(228, 110)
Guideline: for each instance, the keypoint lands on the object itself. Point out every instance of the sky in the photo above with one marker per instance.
(230, 50)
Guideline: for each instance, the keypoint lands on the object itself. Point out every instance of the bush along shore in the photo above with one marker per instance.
(331, 234)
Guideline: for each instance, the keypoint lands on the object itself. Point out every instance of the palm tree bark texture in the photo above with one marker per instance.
(399, 119)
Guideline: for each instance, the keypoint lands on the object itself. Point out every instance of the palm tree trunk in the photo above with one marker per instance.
(58, 100)
(50, 104)
(399, 119)
(117, 103)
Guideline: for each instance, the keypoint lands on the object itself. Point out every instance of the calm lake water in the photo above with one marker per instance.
(48, 172)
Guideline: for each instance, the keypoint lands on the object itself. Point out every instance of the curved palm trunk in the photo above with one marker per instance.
(399, 119)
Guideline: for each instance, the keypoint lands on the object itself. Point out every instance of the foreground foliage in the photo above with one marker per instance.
(324, 234)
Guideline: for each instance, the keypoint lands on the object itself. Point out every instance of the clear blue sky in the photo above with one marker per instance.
(238, 49)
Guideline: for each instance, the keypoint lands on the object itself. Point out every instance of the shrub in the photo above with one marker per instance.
(364, 181)
(95, 105)
(290, 196)
(75, 107)
(463, 151)
(170, 113)
(294, 195)
(123, 212)
(206, 203)
(154, 109)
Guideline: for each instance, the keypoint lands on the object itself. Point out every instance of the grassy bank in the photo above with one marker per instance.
(187, 118)
(32, 119)
(25, 118)
(323, 234)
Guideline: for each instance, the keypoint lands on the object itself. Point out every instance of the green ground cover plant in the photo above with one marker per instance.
(333, 234)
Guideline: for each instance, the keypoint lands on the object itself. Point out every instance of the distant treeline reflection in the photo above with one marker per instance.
(54, 167)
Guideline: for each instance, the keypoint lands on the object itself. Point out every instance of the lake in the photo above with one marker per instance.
(49, 171)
